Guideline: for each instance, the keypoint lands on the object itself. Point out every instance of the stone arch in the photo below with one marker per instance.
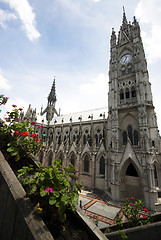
(130, 180)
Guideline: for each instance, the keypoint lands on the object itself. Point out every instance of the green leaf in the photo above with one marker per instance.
(42, 192)
(11, 149)
(52, 200)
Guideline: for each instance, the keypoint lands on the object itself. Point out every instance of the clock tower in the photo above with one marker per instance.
(133, 142)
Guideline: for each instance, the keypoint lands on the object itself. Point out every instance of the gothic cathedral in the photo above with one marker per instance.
(115, 150)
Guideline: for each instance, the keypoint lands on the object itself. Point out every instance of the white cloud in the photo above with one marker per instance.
(95, 91)
(96, 1)
(4, 82)
(6, 16)
(27, 16)
(149, 14)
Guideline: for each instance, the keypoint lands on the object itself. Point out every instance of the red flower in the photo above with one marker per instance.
(20, 109)
(144, 216)
(25, 133)
(16, 132)
(33, 135)
(14, 105)
(44, 147)
(145, 210)
(37, 139)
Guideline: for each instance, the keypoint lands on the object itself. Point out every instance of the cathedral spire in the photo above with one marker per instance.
(124, 22)
(50, 109)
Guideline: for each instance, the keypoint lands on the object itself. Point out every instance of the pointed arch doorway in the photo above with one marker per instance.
(132, 181)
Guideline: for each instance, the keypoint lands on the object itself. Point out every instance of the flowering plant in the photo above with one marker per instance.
(134, 212)
(18, 136)
(54, 189)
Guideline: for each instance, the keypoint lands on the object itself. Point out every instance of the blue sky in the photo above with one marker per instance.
(69, 39)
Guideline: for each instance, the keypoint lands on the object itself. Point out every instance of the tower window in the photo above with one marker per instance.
(124, 138)
(129, 70)
(136, 137)
(123, 72)
(121, 94)
(153, 143)
(127, 93)
(129, 130)
(84, 139)
(133, 92)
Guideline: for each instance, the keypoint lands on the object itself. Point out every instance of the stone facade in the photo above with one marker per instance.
(116, 150)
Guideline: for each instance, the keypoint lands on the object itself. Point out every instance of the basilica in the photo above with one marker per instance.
(115, 150)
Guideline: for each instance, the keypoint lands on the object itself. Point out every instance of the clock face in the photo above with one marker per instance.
(126, 58)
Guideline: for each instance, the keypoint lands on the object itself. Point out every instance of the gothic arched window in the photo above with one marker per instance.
(127, 93)
(121, 94)
(100, 137)
(50, 158)
(96, 137)
(86, 163)
(155, 176)
(124, 136)
(136, 138)
(133, 92)
(73, 138)
(72, 159)
(59, 140)
(61, 157)
(41, 156)
(129, 130)
(102, 165)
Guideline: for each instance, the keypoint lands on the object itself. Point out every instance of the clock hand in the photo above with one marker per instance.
(125, 59)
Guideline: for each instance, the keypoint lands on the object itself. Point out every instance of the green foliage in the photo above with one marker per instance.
(54, 188)
(18, 136)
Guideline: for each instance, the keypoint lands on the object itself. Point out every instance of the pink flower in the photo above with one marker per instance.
(51, 190)
(132, 197)
(47, 190)
(33, 122)
(131, 204)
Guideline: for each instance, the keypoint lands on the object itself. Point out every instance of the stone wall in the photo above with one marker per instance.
(17, 221)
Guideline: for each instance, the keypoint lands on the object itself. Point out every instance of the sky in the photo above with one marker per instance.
(69, 40)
